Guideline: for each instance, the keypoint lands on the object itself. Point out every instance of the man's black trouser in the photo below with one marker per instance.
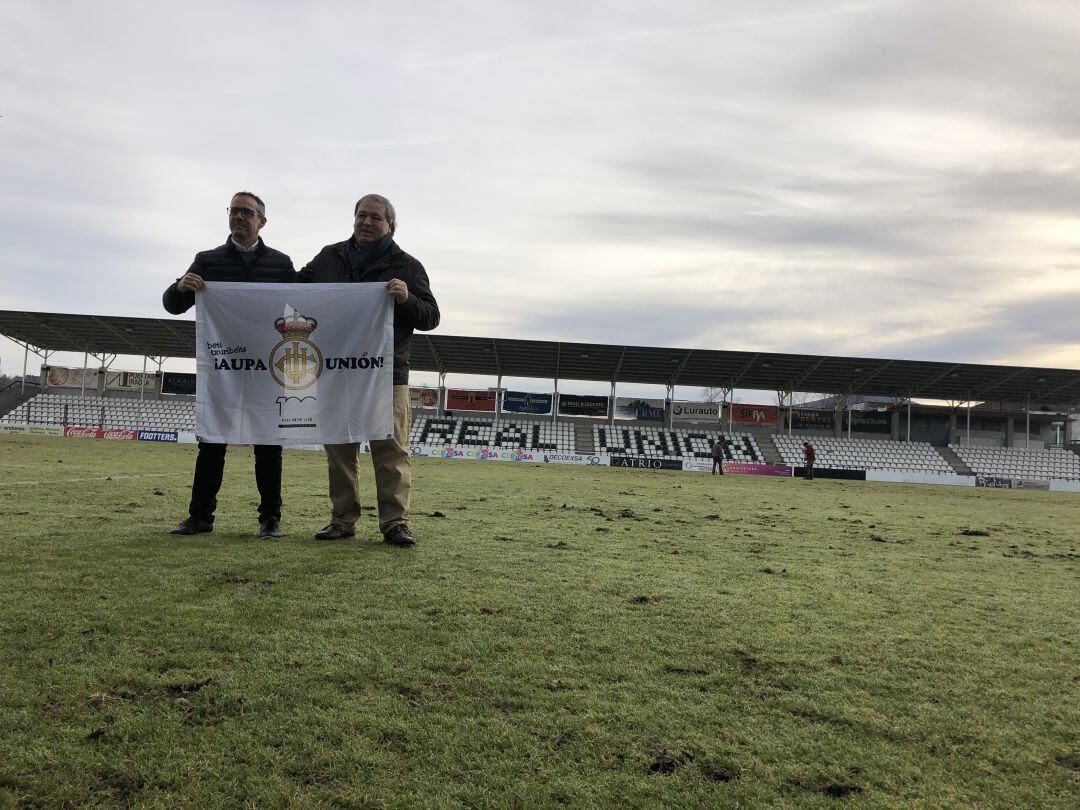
(209, 467)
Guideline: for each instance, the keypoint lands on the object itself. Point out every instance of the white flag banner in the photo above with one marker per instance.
(294, 363)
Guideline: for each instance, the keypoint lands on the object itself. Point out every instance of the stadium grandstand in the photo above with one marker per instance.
(999, 422)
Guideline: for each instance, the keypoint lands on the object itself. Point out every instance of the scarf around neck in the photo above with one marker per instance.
(360, 257)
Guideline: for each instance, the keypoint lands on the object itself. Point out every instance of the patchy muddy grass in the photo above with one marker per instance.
(561, 635)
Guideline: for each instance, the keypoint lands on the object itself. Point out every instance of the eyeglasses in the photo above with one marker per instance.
(247, 213)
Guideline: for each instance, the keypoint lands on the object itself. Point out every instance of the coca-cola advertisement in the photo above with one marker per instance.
(128, 435)
(83, 432)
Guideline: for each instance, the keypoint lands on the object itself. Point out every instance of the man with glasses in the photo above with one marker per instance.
(372, 255)
(244, 257)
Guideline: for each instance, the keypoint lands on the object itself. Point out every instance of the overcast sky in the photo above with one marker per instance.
(883, 179)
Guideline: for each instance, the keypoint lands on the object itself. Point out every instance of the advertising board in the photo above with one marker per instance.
(579, 405)
(460, 399)
(645, 462)
(157, 436)
(643, 410)
(696, 411)
(753, 415)
(64, 377)
(175, 382)
(526, 402)
(423, 397)
(83, 432)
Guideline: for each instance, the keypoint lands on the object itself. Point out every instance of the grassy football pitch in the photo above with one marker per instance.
(561, 635)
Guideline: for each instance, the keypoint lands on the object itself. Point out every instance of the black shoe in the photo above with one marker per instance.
(399, 536)
(193, 526)
(269, 528)
(334, 531)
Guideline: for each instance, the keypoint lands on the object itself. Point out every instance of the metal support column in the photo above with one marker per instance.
(1027, 425)
(85, 364)
(555, 402)
(968, 439)
(142, 382)
(909, 421)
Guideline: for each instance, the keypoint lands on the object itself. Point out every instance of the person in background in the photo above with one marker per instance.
(809, 454)
(372, 255)
(243, 257)
(718, 457)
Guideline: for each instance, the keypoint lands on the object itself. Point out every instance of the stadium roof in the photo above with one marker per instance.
(558, 360)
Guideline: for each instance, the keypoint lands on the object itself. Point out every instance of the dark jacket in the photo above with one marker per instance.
(225, 263)
(420, 310)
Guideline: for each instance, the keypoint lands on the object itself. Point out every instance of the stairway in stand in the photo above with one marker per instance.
(955, 461)
(583, 440)
(769, 451)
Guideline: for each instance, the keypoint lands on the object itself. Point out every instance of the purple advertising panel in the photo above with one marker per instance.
(157, 436)
(757, 469)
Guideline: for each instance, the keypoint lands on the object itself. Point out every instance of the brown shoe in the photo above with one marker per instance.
(335, 531)
(399, 536)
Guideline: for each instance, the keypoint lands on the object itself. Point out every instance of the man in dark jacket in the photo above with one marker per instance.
(244, 257)
(372, 255)
(810, 454)
(717, 456)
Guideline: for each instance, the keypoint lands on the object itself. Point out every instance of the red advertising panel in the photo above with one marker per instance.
(756, 415)
(84, 432)
(758, 469)
(459, 399)
(130, 435)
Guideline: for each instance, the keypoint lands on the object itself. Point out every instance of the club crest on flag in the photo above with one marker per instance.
(295, 362)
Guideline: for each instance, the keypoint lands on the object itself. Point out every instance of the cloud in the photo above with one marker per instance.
(855, 178)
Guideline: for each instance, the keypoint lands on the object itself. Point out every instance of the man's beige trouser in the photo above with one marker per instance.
(393, 472)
